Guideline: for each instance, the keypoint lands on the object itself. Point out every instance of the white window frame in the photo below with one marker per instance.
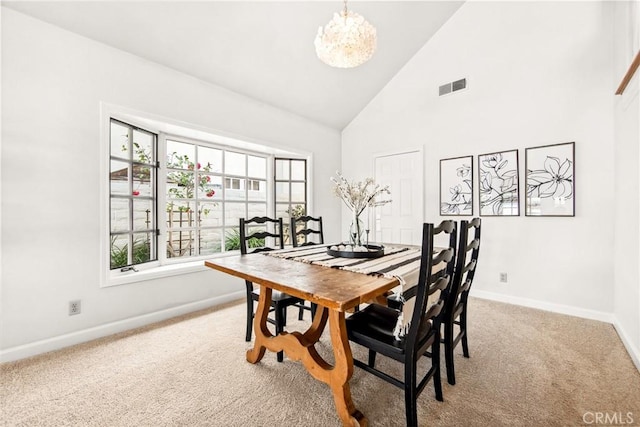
(175, 130)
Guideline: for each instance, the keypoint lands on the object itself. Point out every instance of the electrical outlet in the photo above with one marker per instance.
(74, 307)
(503, 277)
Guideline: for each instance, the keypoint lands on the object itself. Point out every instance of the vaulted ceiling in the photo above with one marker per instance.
(260, 49)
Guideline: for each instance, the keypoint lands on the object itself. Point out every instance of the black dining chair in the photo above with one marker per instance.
(456, 307)
(306, 231)
(261, 234)
(376, 326)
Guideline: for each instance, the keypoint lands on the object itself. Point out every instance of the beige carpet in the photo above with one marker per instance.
(527, 368)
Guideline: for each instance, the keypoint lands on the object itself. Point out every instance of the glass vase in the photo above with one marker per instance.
(356, 231)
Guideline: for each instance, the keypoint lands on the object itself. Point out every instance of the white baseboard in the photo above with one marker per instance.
(66, 340)
(633, 351)
(547, 306)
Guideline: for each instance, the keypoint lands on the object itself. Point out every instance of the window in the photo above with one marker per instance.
(290, 190)
(201, 220)
(133, 210)
(193, 210)
(175, 198)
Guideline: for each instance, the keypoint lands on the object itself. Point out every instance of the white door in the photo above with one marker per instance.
(401, 220)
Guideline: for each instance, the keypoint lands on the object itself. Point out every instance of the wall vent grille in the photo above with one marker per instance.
(452, 87)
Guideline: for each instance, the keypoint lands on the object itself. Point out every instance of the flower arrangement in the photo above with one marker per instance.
(358, 196)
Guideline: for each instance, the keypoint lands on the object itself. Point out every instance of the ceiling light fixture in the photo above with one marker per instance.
(347, 41)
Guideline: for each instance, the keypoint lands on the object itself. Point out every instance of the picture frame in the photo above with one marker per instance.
(550, 180)
(456, 186)
(498, 184)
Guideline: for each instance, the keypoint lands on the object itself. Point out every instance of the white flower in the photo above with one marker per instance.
(359, 195)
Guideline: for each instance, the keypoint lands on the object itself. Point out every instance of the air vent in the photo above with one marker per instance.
(452, 87)
(445, 89)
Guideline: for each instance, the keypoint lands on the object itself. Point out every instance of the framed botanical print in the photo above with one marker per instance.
(498, 187)
(456, 186)
(550, 180)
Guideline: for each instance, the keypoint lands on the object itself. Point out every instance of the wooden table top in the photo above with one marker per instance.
(329, 287)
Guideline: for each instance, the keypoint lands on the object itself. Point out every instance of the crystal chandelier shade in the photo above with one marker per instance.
(347, 41)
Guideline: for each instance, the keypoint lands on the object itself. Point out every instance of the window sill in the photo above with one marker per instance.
(159, 272)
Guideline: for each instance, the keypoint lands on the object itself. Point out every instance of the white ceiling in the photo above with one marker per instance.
(260, 49)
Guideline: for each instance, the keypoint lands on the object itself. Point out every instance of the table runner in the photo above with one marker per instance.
(399, 261)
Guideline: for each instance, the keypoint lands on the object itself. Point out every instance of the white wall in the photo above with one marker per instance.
(627, 180)
(538, 73)
(52, 84)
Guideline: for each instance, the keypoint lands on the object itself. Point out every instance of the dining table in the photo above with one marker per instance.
(336, 292)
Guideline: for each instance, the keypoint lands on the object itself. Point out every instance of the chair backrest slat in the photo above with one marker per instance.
(466, 262)
(269, 228)
(312, 228)
(436, 269)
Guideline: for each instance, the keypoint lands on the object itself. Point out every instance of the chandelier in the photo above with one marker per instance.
(347, 41)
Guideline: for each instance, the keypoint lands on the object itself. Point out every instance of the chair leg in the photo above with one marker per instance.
(435, 361)
(249, 318)
(463, 330)
(448, 352)
(284, 317)
(372, 358)
(410, 393)
(301, 312)
(280, 316)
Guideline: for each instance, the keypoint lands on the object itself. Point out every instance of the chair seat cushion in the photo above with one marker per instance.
(375, 323)
(373, 327)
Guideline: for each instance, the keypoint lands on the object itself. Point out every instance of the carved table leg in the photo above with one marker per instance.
(260, 326)
(342, 372)
(301, 346)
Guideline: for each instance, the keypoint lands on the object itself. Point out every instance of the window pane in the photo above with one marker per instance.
(119, 214)
(297, 210)
(210, 214)
(234, 163)
(232, 239)
(180, 185)
(180, 155)
(210, 159)
(297, 192)
(180, 243)
(119, 137)
(180, 214)
(298, 170)
(257, 209)
(119, 251)
(142, 214)
(282, 211)
(119, 177)
(233, 212)
(142, 147)
(282, 191)
(209, 187)
(142, 247)
(257, 167)
(210, 242)
(257, 190)
(235, 189)
(282, 169)
(142, 179)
